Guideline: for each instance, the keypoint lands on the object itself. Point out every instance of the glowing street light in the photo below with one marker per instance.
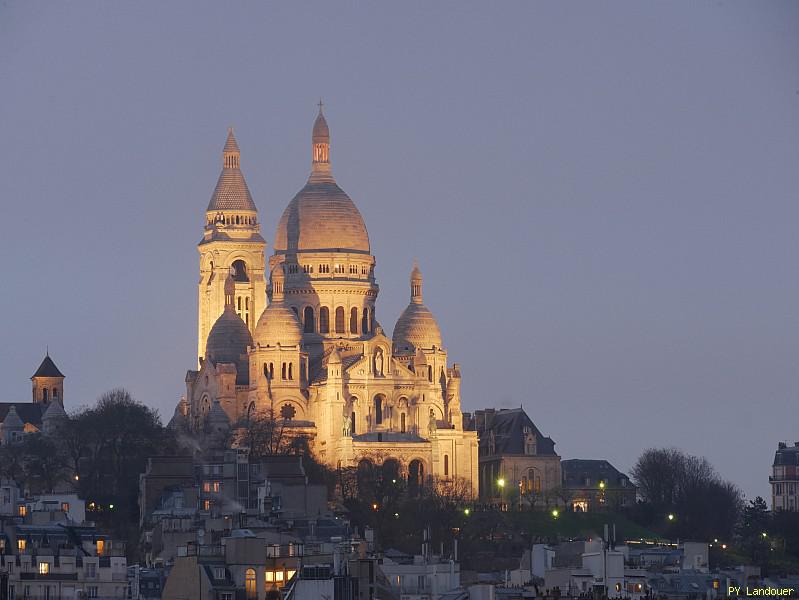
(501, 482)
(555, 513)
(601, 485)
(467, 511)
(671, 517)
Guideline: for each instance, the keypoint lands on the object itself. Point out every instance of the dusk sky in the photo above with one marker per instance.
(602, 197)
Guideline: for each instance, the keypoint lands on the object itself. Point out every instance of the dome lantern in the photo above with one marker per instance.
(416, 284)
(320, 148)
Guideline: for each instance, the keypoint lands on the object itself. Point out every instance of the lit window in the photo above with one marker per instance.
(23, 510)
(100, 547)
(21, 545)
(249, 584)
(207, 486)
(217, 486)
(206, 505)
(65, 507)
(270, 576)
(278, 575)
(290, 574)
(44, 568)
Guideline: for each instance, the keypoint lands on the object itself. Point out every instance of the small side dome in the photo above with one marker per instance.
(278, 324)
(416, 327)
(229, 338)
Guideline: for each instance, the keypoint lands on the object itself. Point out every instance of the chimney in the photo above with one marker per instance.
(781, 446)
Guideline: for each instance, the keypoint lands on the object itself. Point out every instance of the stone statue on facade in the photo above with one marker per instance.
(347, 429)
(379, 362)
(432, 427)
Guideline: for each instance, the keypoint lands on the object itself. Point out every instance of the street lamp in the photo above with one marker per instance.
(670, 517)
(555, 513)
(501, 482)
(467, 511)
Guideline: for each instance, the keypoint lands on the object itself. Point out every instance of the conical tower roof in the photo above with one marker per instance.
(231, 192)
(54, 412)
(12, 420)
(47, 369)
(217, 414)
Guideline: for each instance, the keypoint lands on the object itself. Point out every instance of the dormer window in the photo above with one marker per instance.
(530, 446)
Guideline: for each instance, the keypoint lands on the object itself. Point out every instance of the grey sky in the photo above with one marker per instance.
(602, 197)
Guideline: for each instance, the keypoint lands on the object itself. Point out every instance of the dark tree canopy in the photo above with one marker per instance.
(704, 506)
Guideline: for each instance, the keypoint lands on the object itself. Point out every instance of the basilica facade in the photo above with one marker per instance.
(295, 336)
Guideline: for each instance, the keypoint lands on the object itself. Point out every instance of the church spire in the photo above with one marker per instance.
(320, 148)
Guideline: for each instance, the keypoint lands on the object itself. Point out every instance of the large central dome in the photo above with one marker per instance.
(321, 216)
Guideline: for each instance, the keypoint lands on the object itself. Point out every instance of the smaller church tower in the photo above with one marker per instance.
(48, 383)
(231, 244)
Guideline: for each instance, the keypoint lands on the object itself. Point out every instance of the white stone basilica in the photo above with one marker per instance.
(315, 356)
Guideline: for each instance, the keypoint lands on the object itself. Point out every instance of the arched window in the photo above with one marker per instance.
(283, 372)
(291, 371)
(378, 410)
(446, 465)
(324, 320)
(55, 393)
(402, 422)
(354, 320)
(340, 320)
(309, 320)
(352, 417)
(44, 395)
(365, 321)
(250, 588)
(266, 370)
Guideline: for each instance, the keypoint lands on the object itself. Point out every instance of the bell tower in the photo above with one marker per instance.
(48, 383)
(231, 244)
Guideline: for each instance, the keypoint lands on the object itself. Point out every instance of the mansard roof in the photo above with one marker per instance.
(576, 471)
(28, 412)
(508, 428)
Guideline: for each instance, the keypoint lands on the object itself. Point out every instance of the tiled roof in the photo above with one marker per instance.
(47, 369)
(508, 427)
(576, 471)
(27, 411)
(231, 192)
